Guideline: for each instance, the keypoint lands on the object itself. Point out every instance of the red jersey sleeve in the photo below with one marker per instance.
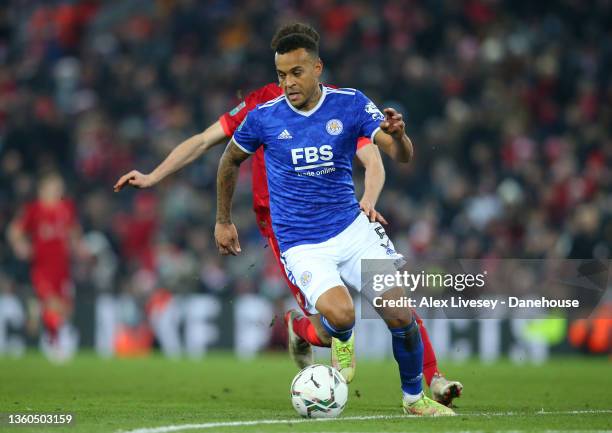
(28, 218)
(363, 141)
(232, 119)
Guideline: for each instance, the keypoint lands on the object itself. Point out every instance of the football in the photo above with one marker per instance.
(319, 391)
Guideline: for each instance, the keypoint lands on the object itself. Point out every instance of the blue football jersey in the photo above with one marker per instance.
(309, 161)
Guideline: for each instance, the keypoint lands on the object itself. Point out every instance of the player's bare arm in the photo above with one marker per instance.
(226, 235)
(19, 240)
(182, 155)
(374, 180)
(392, 138)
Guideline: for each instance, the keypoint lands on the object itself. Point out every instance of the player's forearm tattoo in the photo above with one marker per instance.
(227, 176)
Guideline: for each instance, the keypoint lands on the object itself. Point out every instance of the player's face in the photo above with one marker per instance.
(51, 189)
(298, 75)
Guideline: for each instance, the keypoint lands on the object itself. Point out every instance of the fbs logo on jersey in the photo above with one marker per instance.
(373, 110)
(307, 158)
(334, 127)
(285, 135)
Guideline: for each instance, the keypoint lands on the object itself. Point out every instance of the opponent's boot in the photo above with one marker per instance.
(299, 349)
(444, 391)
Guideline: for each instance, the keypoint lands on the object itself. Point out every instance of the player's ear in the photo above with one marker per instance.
(318, 68)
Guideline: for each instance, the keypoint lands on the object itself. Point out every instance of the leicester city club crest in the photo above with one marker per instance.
(334, 127)
(306, 278)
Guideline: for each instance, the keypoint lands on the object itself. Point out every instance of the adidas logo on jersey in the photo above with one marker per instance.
(285, 135)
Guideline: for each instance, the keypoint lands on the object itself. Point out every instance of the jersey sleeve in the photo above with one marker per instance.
(362, 142)
(368, 116)
(233, 118)
(27, 220)
(247, 135)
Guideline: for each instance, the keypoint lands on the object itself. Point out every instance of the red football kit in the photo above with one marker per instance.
(48, 226)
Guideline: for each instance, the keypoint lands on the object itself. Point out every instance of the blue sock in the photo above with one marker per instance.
(408, 352)
(340, 334)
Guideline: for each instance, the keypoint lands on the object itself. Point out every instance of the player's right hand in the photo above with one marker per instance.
(226, 237)
(136, 179)
(373, 215)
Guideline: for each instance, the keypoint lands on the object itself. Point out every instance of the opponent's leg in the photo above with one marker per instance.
(300, 349)
(442, 390)
(52, 319)
(430, 363)
(308, 328)
(55, 312)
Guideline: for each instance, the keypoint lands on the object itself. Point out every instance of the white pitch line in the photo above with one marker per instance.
(174, 428)
(479, 431)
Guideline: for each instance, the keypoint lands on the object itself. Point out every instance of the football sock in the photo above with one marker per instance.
(303, 327)
(430, 363)
(340, 334)
(52, 322)
(408, 352)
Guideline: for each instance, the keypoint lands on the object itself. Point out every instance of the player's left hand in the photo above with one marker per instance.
(373, 215)
(393, 124)
(226, 237)
(23, 250)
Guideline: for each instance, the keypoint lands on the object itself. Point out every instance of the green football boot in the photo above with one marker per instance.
(343, 357)
(425, 406)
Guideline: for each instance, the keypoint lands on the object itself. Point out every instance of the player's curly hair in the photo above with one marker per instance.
(293, 36)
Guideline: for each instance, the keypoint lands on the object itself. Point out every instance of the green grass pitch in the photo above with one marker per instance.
(108, 395)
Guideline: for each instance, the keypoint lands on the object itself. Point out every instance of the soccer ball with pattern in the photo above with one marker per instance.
(319, 391)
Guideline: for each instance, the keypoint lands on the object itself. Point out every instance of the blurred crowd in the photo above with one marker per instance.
(509, 104)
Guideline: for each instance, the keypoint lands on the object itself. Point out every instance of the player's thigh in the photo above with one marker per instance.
(313, 270)
(295, 290)
(369, 241)
(51, 284)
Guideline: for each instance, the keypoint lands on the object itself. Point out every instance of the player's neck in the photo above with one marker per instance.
(48, 201)
(314, 99)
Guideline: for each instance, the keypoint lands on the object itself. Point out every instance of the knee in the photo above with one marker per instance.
(400, 320)
(342, 317)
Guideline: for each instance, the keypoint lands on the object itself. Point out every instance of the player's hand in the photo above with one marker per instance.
(373, 215)
(226, 237)
(136, 179)
(23, 250)
(393, 124)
